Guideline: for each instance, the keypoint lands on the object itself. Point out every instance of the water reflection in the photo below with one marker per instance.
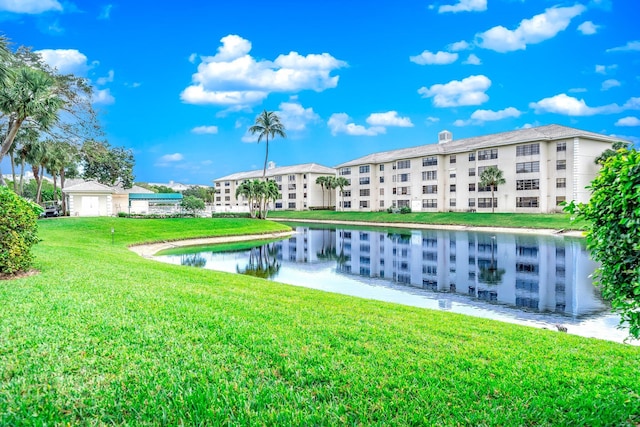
(527, 279)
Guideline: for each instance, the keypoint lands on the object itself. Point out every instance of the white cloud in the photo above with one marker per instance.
(103, 97)
(530, 31)
(481, 116)
(175, 157)
(610, 83)
(472, 60)
(468, 91)
(338, 123)
(465, 6)
(628, 121)
(390, 118)
(30, 6)
(570, 106)
(604, 69)
(458, 46)
(107, 79)
(105, 13)
(193, 57)
(200, 130)
(578, 90)
(433, 119)
(588, 28)
(429, 58)
(295, 117)
(66, 61)
(629, 47)
(234, 78)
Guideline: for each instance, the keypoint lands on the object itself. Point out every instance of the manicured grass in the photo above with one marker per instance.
(102, 336)
(551, 221)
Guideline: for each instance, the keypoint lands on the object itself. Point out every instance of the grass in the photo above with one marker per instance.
(102, 336)
(478, 219)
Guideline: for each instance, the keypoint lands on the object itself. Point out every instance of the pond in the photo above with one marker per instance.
(535, 280)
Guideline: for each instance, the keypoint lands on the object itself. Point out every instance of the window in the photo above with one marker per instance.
(346, 193)
(228, 198)
(528, 150)
(227, 191)
(292, 205)
(227, 183)
(364, 181)
(561, 165)
(560, 200)
(488, 154)
(364, 169)
(292, 178)
(561, 146)
(485, 202)
(472, 187)
(526, 167)
(429, 203)
(528, 184)
(277, 179)
(472, 203)
(217, 184)
(472, 171)
(365, 192)
(483, 168)
(472, 157)
(364, 203)
(291, 187)
(452, 203)
(561, 182)
(452, 188)
(381, 179)
(345, 171)
(278, 205)
(429, 189)
(452, 174)
(404, 177)
(526, 202)
(404, 190)
(430, 175)
(382, 203)
(430, 161)
(218, 199)
(381, 168)
(403, 164)
(292, 195)
(346, 204)
(403, 203)
(486, 188)
(304, 195)
(452, 159)
(382, 191)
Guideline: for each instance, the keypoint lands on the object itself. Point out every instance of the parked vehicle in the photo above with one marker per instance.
(51, 209)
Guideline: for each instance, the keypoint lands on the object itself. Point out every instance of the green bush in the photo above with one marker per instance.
(613, 220)
(18, 231)
(405, 210)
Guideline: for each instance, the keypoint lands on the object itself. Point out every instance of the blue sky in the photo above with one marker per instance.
(180, 82)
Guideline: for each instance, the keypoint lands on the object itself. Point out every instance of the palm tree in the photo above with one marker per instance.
(249, 190)
(5, 56)
(269, 193)
(29, 94)
(340, 183)
(321, 181)
(267, 125)
(330, 183)
(491, 176)
(37, 157)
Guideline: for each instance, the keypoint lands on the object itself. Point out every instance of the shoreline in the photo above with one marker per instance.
(420, 226)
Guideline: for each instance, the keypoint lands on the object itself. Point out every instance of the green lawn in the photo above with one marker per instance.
(551, 221)
(102, 336)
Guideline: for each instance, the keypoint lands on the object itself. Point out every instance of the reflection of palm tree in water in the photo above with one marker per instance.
(491, 275)
(192, 260)
(263, 262)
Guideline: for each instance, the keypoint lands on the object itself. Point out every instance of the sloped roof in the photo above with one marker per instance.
(282, 170)
(542, 133)
(88, 187)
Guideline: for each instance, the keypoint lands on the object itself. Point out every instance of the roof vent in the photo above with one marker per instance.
(445, 136)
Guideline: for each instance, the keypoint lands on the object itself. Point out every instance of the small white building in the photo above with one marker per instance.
(90, 198)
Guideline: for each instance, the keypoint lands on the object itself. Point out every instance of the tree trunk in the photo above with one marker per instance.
(266, 157)
(22, 176)
(14, 125)
(55, 187)
(39, 181)
(492, 205)
(13, 173)
(64, 199)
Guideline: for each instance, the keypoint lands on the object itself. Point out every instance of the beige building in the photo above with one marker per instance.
(297, 185)
(542, 167)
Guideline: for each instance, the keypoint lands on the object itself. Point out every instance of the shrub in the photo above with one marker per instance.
(613, 220)
(405, 210)
(18, 231)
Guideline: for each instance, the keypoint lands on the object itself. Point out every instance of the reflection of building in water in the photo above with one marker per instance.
(307, 246)
(532, 272)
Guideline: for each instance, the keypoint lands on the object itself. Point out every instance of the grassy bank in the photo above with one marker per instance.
(550, 221)
(102, 336)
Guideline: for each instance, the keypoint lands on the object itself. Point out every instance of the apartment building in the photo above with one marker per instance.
(297, 185)
(542, 167)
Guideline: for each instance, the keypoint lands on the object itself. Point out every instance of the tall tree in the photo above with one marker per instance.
(107, 165)
(250, 191)
(491, 176)
(321, 181)
(610, 152)
(340, 183)
(5, 60)
(331, 186)
(30, 94)
(267, 125)
(37, 157)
